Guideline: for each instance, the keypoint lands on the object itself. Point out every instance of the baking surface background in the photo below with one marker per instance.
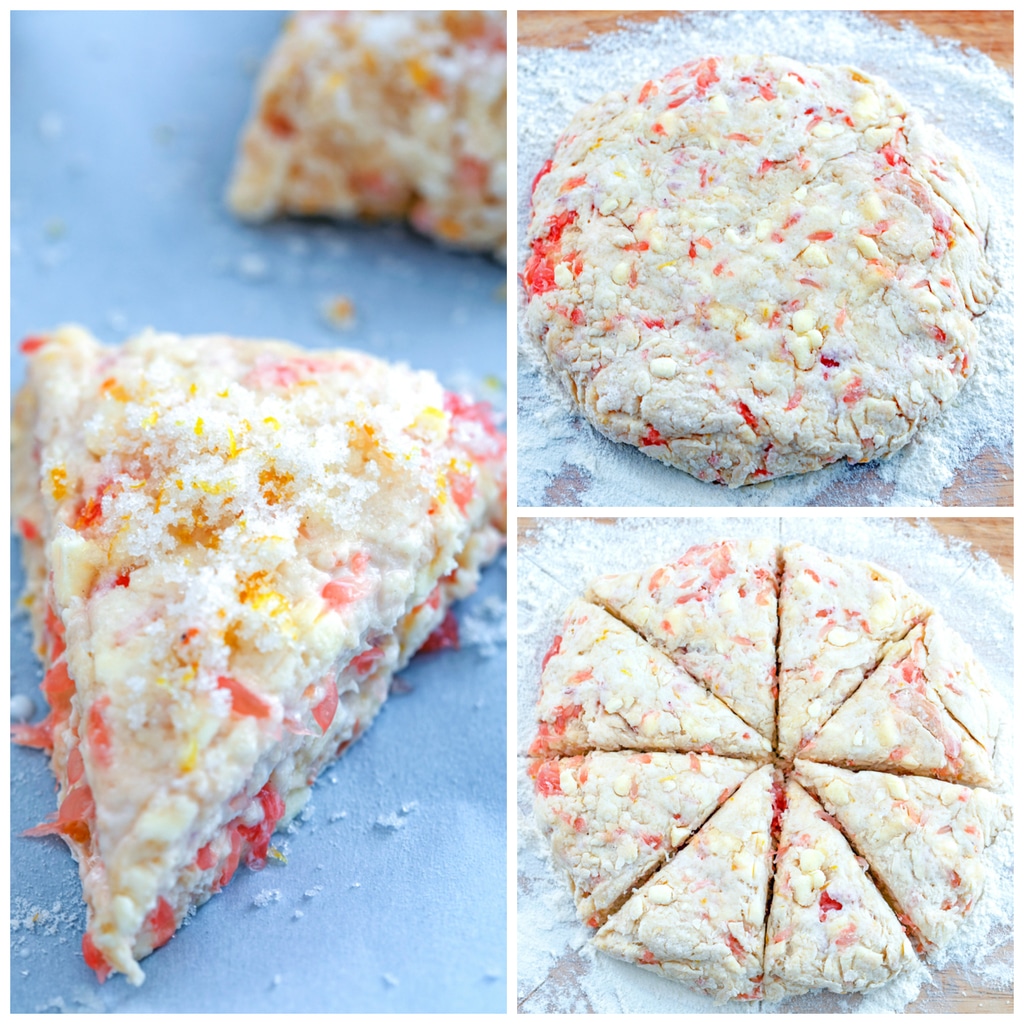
(572, 972)
(123, 134)
(988, 478)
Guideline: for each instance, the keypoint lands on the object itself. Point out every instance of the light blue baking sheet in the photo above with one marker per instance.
(123, 132)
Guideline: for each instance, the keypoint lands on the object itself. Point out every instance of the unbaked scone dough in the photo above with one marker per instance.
(383, 113)
(868, 866)
(753, 267)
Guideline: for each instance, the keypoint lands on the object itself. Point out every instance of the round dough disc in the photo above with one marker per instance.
(753, 267)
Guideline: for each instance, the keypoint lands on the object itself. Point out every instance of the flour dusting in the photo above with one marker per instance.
(558, 970)
(563, 461)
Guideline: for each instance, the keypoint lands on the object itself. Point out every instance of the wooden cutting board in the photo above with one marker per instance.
(951, 994)
(988, 479)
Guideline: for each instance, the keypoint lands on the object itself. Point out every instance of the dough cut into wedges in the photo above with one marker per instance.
(612, 817)
(829, 927)
(924, 839)
(896, 722)
(713, 611)
(231, 547)
(604, 687)
(836, 615)
(701, 918)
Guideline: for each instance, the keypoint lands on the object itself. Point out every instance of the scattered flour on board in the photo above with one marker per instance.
(563, 461)
(558, 970)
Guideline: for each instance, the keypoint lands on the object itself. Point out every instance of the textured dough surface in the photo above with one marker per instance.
(871, 676)
(896, 722)
(606, 688)
(829, 927)
(924, 839)
(701, 918)
(612, 816)
(386, 114)
(753, 267)
(836, 616)
(231, 546)
(713, 611)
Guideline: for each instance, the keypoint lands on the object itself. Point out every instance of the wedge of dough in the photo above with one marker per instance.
(612, 817)
(836, 615)
(829, 927)
(896, 722)
(231, 547)
(701, 918)
(604, 687)
(924, 839)
(714, 612)
(382, 114)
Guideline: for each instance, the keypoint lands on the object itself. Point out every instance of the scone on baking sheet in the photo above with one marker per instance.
(701, 918)
(604, 687)
(231, 547)
(896, 721)
(386, 114)
(713, 611)
(614, 816)
(836, 615)
(828, 927)
(923, 838)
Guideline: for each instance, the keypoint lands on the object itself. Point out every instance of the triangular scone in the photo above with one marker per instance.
(383, 113)
(828, 927)
(713, 611)
(701, 918)
(604, 687)
(835, 617)
(924, 839)
(612, 816)
(240, 542)
(962, 683)
(895, 721)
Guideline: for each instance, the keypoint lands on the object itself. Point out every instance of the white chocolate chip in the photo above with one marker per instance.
(886, 731)
(622, 785)
(800, 349)
(827, 130)
(620, 275)
(608, 205)
(802, 892)
(800, 194)
(817, 879)
(896, 786)
(811, 860)
(664, 367)
(718, 104)
(922, 250)
(866, 108)
(871, 207)
(866, 246)
(916, 392)
(839, 636)
(928, 301)
(613, 704)
(803, 321)
(815, 256)
(660, 895)
(763, 229)
(563, 275)
(567, 782)
(838, 792)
